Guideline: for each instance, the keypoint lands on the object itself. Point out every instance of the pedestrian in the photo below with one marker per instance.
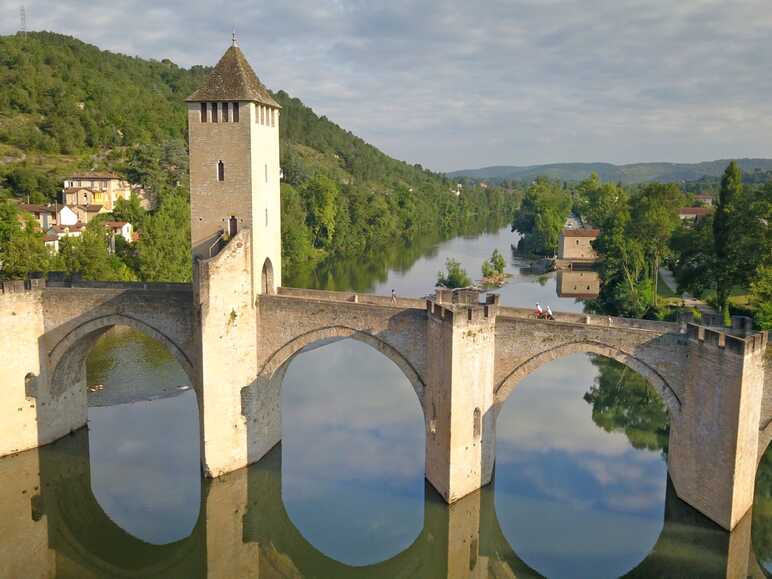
(393, 296)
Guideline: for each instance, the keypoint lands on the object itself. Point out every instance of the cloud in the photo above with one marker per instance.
(452, 84)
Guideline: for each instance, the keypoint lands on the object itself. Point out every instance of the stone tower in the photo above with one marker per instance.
(233, 127)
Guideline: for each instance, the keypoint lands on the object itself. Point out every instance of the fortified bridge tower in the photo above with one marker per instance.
(235, 330)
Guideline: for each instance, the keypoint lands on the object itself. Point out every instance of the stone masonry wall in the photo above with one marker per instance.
(523, 345)
(714, 443)
(21, 317)
(227, 352)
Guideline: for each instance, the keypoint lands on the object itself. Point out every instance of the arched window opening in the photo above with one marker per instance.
(214, 113)
(233, 227)
(225, 113)
(220, 171)
(203, 112)
(235, 112)
(477, 427)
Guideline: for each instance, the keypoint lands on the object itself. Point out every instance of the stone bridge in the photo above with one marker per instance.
(462, 357)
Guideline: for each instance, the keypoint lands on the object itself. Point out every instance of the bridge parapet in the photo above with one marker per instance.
(742, 346)
(16, 286)
(462, 307)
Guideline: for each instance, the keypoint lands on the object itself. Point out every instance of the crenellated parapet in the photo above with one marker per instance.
(18, 286)
(462, 307)
(727, 341)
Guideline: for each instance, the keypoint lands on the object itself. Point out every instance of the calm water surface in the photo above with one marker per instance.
(580, 486)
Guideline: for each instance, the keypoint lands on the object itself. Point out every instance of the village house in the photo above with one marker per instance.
(694, 213)
(45, 215)
(58, 232)
(576, 245)
(95, 188)
(86, 213)
(704, 199)
(122, 229)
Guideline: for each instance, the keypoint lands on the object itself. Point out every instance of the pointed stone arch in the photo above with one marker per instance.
(79, 341)
(267, 279)
(510, 382)
(282, 356)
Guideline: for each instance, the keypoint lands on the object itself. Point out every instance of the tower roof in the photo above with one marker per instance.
(233, 80)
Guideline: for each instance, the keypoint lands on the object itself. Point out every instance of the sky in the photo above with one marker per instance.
(457, 84)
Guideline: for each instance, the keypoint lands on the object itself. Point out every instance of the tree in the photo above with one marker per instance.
(129, 210)
(693, 248)
(597, 200)
(654, 217)
(495, 265)
(22, 250)
(625, 288)
(88, 256)
(163, 249)
(454, 277)
(321, 195)
(296, 237)
(726, 242)
(761, 297)
(541, 217)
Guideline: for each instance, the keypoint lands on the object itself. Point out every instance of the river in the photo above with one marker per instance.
(580, 486)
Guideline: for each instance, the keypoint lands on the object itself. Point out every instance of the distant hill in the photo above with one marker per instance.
(627, 174)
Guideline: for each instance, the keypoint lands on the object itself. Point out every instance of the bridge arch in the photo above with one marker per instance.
(510, 382)
(93, 543)
(283, 355)
(86, 334)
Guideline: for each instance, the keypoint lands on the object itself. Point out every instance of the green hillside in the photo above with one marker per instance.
(67, 105)
(627, 174)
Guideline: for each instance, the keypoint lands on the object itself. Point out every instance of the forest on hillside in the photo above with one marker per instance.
(67, 105)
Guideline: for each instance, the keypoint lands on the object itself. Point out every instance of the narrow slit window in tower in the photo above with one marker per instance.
(235, 112)
(266, 217)
(203, 112)
(233, 227)
(225, 115)
(477, 425)
(266, 172)
(220, 171)
(214, 113)
(273, 118)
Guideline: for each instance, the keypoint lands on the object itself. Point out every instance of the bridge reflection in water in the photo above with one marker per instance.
(51, 525)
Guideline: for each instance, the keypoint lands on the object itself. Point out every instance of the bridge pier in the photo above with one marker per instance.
(227, 342)
(458, 401)
(714, 439)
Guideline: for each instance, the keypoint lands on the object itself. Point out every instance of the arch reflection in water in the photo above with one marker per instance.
(143, 437)
(51, 526)
(352, 451)
(581, 482)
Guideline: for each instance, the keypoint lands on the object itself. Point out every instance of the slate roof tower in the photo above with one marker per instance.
(233, 128)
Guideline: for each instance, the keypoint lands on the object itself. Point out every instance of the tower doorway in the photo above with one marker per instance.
(233, 227)
(268, 287)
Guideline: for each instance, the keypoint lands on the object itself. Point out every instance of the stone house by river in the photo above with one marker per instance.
(576, 245)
